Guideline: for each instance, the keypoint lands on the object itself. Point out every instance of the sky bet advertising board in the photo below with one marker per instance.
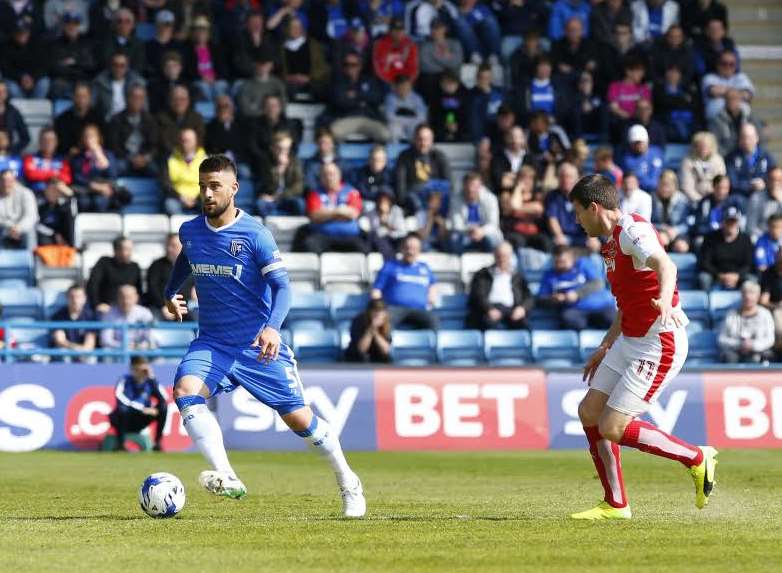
(66, 406)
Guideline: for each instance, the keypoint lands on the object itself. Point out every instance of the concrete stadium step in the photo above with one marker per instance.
(757, 22)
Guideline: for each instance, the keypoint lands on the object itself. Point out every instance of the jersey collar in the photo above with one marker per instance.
(218, 229)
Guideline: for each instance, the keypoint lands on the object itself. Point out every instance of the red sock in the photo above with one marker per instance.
(608, 462)
(652, 440)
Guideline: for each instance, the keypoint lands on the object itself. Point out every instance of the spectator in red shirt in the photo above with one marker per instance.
(333, 209)
(40, 167)
(395, 54)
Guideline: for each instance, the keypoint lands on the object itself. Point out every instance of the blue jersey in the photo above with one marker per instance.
(134, 396)
(583, 271)
(405, 285)
(235, 269)
(766, 251)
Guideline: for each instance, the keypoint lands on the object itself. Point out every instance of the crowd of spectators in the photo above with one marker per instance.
(627, 77)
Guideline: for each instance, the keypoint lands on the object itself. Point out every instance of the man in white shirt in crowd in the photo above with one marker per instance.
(127, 311)
(747, 335)
(18, 213)
(634, 199)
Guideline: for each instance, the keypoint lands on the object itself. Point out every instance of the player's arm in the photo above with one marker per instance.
(269, 340)
(608, 341)
(175, 303)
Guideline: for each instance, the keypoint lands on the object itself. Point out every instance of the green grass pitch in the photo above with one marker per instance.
(452, 512)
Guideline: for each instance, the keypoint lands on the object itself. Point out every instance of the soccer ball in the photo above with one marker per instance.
(161, 495)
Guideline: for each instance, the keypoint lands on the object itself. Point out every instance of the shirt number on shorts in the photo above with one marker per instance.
(649, 366)
(293, 376)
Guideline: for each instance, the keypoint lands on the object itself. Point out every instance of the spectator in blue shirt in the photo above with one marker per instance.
(406, 285)
(708, 214)
(558, 210)
(749, 164)
(77, 339)
(564, 10)
(478, 31)
(576, 290)
(485, 102)
(768, 244)
(642, 159)
(9, 161)
(134, 410)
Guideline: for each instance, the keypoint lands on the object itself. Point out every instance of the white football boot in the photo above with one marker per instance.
(353, 502)
(222, 483)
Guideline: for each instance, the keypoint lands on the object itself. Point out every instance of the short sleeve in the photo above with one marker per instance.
(432, 278)
(640, 241)
(267, 254)
(546, 285)
(589, 270)
(382, 277)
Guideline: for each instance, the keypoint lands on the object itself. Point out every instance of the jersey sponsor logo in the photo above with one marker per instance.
(210, 270)
(609, 255)
(236, 247)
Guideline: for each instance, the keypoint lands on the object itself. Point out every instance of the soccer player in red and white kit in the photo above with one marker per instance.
(644, 349)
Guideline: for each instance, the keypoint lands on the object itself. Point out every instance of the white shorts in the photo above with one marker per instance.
(635, 370)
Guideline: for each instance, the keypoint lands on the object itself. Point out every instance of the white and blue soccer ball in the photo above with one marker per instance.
(161, 495)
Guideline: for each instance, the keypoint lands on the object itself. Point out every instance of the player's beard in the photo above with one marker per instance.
(217, 210)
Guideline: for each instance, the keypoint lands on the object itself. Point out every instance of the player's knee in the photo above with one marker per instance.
(188, 386)
(611, 430)
(588, 414)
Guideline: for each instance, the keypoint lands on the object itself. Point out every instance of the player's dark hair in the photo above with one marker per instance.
(138, 361)
(595, 189)
(217, 163)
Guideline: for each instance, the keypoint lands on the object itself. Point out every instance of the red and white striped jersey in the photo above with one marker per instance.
(632, 282)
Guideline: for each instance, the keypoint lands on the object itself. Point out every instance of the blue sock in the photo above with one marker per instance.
(311, 430)
(186, 401)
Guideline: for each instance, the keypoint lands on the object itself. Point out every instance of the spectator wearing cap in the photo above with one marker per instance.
(576, 290)
(574, 52)
(726, 124)
(623, 96)
(111, 87)
(768, 244)
(70, 124)
(46, 163)
(333, 209)
(632, 199)
(407, 286)
(763, 205)
(253, 92)
(558, 209)
(205, 62)
(172, 76)
(499, 295)
(281, 186)
(671, 214)
(71, 57)
(181, 175)
(376, 175)
(386, 224)
(478, 31)
(250, 43)
(474, 217)
(715, 86)
(749, 164)
(771, 295)
(404, 109)
(420, 170)
(644, 160)
(133, 136)
(702, 164)
(303, 63)
(163, 42)
(725, 258)
(354, 103)
(271, 121)
(747, 335)
(653, 18)
(449, 110)
(438, 54)
(605, 16)
(395, 54)
(123, 39)
(708, 214)
(25, 64)
(178, 115)
(56, 214)
(12, 122)
(8, 160)
(562, 11)
(18, 213)
(486, 99)
(55, 11)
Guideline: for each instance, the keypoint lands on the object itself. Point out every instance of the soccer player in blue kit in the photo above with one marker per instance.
(243, 297)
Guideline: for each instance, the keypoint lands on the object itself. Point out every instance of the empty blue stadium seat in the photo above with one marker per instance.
(146, 194)
(320, 346)
(353, 155)
(13, 283)
(346, 306)
(61, 105)
(507, 347)
(555, 347)
(307, 150)
(17, 264)
(695, 304)
(543, 319)
(344, 336)
(309, 306)
(588, 341)
(413, 347)
(29, 337)
(451, 309)
(245, 198)
(703, 347)
(720, 302)
(21, 303)
(460, 347)
(311, 325)
(687, 265)
(53, 300)
(674, 153)
(533, 263)
(174, 340)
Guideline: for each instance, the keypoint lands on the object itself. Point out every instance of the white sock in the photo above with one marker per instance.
(324, 440)
(203, 429)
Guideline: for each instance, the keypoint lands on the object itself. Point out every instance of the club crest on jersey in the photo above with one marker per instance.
(609, 255)
(236, 247)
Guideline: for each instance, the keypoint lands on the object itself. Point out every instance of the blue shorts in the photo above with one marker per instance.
(224, 368)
